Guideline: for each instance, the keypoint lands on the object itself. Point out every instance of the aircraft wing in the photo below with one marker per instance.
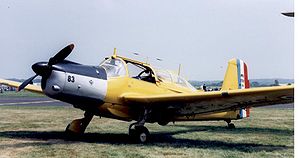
(32, 88)
(217, 101)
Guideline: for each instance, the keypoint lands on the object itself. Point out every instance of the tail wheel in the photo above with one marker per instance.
(231, 126)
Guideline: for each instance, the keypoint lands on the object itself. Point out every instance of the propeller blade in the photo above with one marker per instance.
(26, 82)
(289, 14)
(61, 55)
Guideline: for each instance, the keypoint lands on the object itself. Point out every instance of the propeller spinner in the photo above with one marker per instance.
(44, 68)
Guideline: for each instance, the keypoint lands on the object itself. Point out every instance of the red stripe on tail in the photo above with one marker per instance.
(247, 83)
(247, 112)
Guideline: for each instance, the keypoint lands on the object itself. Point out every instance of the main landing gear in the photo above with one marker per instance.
(140, 133)
(78, 126)
(229, 124)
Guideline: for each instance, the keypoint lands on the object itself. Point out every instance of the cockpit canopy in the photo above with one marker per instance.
(119, 67)
(114, 67)
(172, 77)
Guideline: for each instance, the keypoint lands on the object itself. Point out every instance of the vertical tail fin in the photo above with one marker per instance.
(236, 76)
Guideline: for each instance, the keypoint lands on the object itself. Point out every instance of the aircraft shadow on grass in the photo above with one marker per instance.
(160, 139)
(238, 130)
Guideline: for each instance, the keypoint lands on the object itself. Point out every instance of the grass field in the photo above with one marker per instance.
(20, 94)
(31, 131)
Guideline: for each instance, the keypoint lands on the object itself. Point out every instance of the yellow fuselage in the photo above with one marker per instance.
(120, 86)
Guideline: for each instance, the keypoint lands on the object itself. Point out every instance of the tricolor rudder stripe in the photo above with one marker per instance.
(242, 71)
(244, 113)
(243, 82)
(236, 76)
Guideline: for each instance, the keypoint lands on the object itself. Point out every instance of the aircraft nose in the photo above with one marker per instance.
(41, 68)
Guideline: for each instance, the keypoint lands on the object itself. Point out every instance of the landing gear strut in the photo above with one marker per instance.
(78, 126)
(140, 133)
(229, 124)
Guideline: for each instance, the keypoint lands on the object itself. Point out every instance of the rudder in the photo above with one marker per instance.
(236, 76)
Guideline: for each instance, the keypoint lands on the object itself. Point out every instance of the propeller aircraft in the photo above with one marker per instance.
(125, 89)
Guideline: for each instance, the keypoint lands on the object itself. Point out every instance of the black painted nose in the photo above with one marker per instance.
(41, 68)
(44, 69)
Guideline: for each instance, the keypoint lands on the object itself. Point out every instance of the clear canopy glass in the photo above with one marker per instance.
(117, 67)
(114, 67)
(169, 76)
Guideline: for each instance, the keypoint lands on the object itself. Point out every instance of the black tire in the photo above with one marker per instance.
(231, 126)
(132, 133)
(163, 123)
(141, 134)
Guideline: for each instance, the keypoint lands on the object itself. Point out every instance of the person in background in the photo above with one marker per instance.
(204, 87)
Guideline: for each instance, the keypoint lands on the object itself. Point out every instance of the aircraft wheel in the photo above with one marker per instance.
(163, 123)
(231, 126)
(132, 133)
(140, 134)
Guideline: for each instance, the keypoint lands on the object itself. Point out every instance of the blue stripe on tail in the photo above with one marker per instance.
(239, 72)
(241, 113)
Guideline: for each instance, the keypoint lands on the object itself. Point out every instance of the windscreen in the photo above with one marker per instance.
(114, 67)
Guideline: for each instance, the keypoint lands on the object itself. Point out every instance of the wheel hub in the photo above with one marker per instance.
(143, 137)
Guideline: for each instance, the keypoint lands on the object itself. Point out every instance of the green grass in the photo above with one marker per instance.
(20, 94)
(31, 131)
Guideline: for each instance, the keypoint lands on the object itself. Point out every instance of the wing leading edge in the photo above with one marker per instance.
(32, 88)
(218, 101)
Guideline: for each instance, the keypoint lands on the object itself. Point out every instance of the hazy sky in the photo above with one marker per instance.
(201, 35)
